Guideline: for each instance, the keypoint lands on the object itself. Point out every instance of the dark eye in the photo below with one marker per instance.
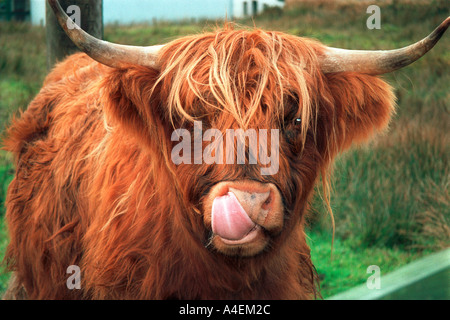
(297, 121)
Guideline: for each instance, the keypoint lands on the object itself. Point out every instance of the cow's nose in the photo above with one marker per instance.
(232, 208)
(256, 204)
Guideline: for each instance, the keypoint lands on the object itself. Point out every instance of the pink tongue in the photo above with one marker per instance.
(229, 220)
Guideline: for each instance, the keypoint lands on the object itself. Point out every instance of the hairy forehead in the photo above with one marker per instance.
(240, 72)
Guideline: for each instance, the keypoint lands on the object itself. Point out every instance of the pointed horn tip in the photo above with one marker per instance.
(447, 22)
(444, 25)
(434, 37)
(440, 30)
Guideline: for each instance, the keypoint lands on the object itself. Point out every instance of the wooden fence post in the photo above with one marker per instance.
(90, 14)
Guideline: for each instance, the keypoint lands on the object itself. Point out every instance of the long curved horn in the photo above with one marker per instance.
(107, 53)
(379, 61)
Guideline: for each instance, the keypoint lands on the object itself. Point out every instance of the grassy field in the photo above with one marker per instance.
(390, 199)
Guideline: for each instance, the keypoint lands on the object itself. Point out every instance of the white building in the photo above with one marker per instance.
(243, 8)
(37, 10)
(141, 11)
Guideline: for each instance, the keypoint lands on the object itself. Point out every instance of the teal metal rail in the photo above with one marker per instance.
(425, 279)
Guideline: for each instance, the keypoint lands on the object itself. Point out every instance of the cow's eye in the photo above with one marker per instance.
(297, 121)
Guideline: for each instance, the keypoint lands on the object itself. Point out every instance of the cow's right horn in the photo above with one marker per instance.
(379, 61)
(107, 53)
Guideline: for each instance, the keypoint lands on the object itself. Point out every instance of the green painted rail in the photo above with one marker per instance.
(425, 279)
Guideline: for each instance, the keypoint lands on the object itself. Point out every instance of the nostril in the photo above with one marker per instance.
(266, 204)
(252, 200)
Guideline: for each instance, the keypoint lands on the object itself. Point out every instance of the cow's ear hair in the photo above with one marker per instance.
(132, 102)
(363, 106)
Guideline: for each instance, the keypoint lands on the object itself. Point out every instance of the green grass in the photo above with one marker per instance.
(382, 193)
(343, 265)
(390, 199)
(6, 174)
(4, 276)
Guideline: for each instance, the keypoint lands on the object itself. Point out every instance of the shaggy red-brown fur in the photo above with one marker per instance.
(95, 185)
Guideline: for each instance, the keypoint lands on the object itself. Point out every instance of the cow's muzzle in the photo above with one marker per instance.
(243, 216)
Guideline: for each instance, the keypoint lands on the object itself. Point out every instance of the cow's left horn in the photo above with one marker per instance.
(379, 61)
(107, 53)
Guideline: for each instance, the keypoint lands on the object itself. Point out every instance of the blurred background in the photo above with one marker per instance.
(390, 199)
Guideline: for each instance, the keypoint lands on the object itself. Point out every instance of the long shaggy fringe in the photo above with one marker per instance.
(233, 70)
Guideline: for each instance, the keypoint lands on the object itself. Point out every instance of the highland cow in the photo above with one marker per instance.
(95, 185)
